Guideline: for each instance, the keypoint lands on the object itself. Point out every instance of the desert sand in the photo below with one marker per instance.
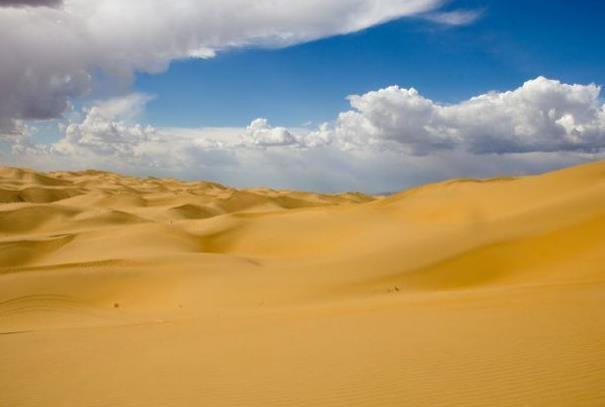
(123, 291)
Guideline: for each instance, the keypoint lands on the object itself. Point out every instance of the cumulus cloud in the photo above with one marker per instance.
(51, 55)
(106, 130)
(542, 115)
(260, 133)
(109, 135)
(390, 139)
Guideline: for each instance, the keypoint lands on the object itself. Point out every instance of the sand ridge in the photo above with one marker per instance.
(159, 292)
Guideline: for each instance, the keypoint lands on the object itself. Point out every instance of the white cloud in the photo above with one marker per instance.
(455, 18)
(18, 136)
(392, 138)
(50, 55)
(542, 115)
(106, 130)
(260, 133)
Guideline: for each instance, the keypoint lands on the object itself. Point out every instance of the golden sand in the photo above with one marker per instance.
(122, 291)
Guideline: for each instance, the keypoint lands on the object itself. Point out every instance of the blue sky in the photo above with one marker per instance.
(511, 42)
(329, 95)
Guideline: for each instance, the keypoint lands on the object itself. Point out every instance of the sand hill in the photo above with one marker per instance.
(122, 291)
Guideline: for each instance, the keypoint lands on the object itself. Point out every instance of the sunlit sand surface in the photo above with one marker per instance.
(121, 291)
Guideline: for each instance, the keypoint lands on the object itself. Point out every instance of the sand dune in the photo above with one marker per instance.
(124, 291)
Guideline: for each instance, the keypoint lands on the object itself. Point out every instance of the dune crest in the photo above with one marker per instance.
(126, 291)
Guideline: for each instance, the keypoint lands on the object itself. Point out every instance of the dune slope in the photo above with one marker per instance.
(129, 291)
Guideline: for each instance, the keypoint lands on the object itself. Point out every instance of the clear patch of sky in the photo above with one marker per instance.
(512, 42)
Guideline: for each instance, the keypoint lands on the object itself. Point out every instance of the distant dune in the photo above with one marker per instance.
(123, 291)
